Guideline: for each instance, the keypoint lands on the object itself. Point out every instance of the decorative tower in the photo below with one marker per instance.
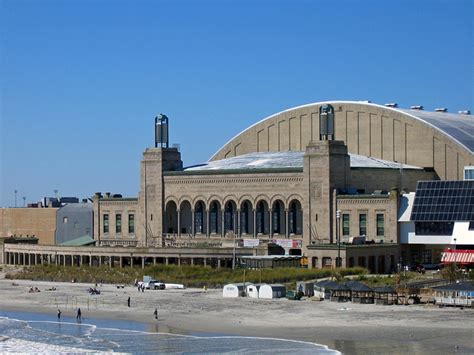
(151, 198)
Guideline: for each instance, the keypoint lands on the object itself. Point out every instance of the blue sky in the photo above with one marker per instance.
(81, 81)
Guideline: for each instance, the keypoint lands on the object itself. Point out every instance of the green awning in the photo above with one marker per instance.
(81, 241)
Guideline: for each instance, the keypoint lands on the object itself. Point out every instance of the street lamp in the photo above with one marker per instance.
(338, 227)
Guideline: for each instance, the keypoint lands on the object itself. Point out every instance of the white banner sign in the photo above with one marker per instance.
(251, 243)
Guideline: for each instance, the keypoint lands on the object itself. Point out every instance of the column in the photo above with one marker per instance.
(143, 262)
(208, 224)
(56, 259)
(90, 260)
(192, 223)
(218, 263)
(131, 260)
(205, 261)
(179, 260)
(166, 261)
(80, 259)
(120, 262)
(239, 231)
(100, 260)
(111, 260)
(222, 223)
(270, 224)
(287, 225)
(154, 260)
(179, 224)
(30, 257)
(192, 261)
(254, 223)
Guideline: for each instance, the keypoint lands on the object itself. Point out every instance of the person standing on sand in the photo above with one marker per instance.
(59, 314)
(155, 313)
(79, 315)
(128, 302)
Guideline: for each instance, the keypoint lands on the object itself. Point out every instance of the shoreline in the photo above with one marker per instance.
(346, 327)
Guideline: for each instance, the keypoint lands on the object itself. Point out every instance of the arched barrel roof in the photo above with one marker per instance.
(439, 140)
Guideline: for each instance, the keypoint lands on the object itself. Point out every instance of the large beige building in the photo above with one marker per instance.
(296, 182)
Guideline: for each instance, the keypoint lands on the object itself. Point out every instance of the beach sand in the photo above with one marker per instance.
(349, 328)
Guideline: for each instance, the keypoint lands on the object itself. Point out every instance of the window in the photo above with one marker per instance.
(346, 221)
(380, 224)
(131, 224)
(118, 223)
(363, 224)
(106, 223)
(64, 220)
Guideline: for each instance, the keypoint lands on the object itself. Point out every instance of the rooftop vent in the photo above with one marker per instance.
(416, 107)
(441, 109)
(391, 104)
(465, 112)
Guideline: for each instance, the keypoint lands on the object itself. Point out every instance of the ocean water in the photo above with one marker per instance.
(22, 332)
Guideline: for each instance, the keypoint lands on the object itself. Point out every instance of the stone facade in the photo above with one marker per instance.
(38, 222)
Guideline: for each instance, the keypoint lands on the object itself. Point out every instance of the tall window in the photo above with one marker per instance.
(214, 218)
(229, 217)
(292, 218)
(244, 219)
(380, 224)
(131, 224)
(260, 217)
(198, 218)
(118, 223)
(276, 218)
(362, 224)
(106, 223)
(346, 221)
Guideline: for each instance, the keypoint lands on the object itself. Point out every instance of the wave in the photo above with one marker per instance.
(63, 336)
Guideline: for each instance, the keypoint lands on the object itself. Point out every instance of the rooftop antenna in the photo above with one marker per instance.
(161, 131)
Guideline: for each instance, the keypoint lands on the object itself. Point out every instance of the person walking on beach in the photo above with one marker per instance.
(79, 315)
(128, 302)
(155, 313)
(59, 314)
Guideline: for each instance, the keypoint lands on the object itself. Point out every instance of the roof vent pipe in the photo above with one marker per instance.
(391, 104)
(441, 109)
(416, 107)
(465, 112)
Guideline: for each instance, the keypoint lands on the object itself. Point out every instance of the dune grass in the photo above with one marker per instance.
(190, 276)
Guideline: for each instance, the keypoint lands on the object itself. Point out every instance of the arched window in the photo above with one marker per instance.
(214, 218)
(292, 218)
(199, 218)
(244, 218)
(260, 217)
(229, 217)
(276, 217)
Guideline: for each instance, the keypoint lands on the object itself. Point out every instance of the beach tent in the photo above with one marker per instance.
(306, 287)
(456, 294)
(252, 290)
(360, 293)
(340, 293)
(233, 290)
(385, 295)
(322, 289)
(272, 291)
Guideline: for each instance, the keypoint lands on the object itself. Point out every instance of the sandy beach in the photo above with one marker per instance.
(349, 328)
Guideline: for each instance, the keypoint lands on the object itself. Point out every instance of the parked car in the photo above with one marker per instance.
(155, 285)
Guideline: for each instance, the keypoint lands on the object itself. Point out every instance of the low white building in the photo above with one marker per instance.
(272, 291)
(234, 290)
(252, 290)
